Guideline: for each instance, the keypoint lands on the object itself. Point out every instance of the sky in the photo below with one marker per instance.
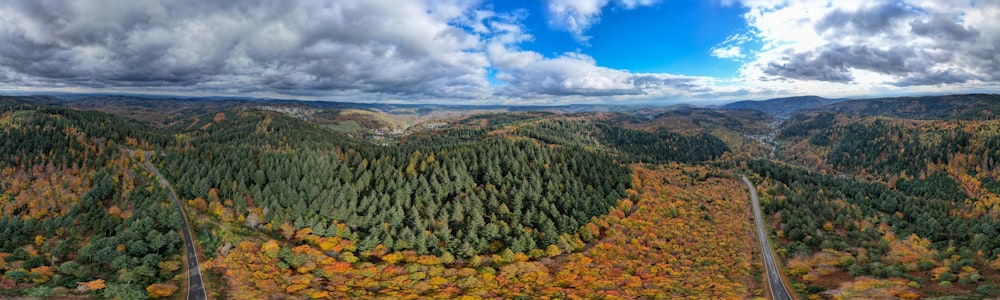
(501, 51)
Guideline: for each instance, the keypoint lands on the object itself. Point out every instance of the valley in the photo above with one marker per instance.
(872, 198)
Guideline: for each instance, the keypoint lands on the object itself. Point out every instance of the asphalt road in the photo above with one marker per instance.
(196, 287)
(774, 281)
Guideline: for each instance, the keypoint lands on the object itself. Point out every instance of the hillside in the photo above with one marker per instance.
(78, 212)
(971, 106)
(325, 201)
(782, 107)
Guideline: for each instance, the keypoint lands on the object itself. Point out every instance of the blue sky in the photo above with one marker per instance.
(502, 51)
(675, 38)
(661, 38)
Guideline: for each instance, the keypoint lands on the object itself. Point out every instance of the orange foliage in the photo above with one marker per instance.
(642, 255)
(45, 190)
(92, 285)
(199, 204)
(43, 270)
(115, 211)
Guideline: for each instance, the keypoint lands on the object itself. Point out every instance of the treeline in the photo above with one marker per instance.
(445, 137)
(498, 119)
(630, 145)
(62, 136)
(464, 198)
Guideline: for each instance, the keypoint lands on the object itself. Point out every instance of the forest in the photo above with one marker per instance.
(78, 214)
(283, 201)
(901, 204)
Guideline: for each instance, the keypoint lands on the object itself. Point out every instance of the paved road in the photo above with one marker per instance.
(777, 286)
(196, 287)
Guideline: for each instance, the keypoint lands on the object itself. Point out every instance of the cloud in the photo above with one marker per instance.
(865, 45)
(577, 16)
(383, 47)
(568, 74)
(531, 76)
(733, 47)
(353, 50)
(943, 28)
(833, 62)
(869, 18)
(728, 52)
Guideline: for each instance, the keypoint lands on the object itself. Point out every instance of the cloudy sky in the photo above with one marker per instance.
(503, 51)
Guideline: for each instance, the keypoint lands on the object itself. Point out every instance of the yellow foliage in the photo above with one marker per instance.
(319, 295)
(436, 281)
(799, 266)
(552, 250)
(828, 226)
(270, 249)
(392, 258)
(327, 244)
(303, 234)
(216, 209)
(161, 290)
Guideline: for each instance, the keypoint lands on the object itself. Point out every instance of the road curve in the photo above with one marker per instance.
(774, 281)
(196, 287)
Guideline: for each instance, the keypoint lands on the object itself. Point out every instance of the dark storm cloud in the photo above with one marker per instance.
(832, 63)
(934, 78)
(871, 20)
(944, 28)
(385, 47)
(913, 43)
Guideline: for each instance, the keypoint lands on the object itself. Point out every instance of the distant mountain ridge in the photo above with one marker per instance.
(967, 106)
(782, 107)
(963, 106)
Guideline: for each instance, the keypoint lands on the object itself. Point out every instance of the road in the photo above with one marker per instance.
(196, 287)
(774, 281)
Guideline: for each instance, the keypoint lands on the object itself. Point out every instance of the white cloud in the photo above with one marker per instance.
(859, 47)
(728, 52)
(577, 16)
